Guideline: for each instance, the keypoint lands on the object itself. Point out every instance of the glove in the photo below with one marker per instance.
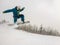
(3, 12)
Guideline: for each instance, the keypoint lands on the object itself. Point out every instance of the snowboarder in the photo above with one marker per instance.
(16, 13)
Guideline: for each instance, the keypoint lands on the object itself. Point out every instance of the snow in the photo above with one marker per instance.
(46, 12)
(12, 36)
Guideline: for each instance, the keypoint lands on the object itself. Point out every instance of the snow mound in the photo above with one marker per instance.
(10, 36)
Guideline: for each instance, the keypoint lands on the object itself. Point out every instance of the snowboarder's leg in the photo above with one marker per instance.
(15, 20)
(22, 17)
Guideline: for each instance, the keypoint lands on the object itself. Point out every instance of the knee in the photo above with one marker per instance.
(22, 15)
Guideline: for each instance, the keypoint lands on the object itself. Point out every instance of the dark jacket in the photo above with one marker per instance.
(14, 10)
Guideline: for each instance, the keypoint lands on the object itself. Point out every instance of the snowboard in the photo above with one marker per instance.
(19, 23)
(10, 24)
(23, 23)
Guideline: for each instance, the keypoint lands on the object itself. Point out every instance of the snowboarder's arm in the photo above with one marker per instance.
(7, 11)
(22, 9)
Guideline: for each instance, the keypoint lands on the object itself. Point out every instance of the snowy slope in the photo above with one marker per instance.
(11, 36)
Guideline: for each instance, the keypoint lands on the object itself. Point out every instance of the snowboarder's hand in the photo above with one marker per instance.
(24, 7)
(3, 12)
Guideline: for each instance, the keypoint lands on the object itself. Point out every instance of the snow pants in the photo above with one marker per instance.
(17, 17)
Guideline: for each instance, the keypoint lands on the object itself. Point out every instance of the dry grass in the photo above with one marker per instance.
(41, 30)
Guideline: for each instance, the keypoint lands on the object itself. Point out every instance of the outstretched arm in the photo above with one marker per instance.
(7, 11)
(22, 9)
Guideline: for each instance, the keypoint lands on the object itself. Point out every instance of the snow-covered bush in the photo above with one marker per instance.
(41, 30)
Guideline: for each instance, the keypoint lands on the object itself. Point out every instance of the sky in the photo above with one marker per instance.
(45, 12)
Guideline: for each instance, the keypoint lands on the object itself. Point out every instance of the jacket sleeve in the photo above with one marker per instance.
(7, 11)
(22, 9)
